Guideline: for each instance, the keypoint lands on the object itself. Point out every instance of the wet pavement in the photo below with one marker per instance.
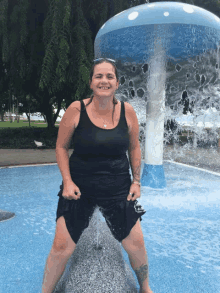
(208, 159)
(15, 157)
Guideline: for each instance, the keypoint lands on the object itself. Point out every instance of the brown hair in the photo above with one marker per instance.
(115, 101)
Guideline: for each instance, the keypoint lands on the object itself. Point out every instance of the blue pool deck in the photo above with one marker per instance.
(181, 228)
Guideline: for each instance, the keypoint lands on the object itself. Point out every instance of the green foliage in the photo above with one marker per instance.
(56, 30)
(84, 73)
(23, 18)
(15, 14)
(47, 66)
(63, 59)
(66, 18)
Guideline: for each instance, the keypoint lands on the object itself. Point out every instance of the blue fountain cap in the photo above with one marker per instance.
(138, 23)
(160, 13)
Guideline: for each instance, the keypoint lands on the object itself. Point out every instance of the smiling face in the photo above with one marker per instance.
(104, 82)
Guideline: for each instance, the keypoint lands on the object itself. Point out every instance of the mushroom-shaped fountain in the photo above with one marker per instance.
(158, 48)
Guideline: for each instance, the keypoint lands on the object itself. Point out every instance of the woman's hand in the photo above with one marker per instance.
(69, 191)
(135, 191)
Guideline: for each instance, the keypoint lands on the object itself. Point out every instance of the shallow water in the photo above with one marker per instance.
(180, 227)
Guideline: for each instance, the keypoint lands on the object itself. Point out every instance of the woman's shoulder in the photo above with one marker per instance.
(127, 105)
(128, 108)
(73, 113)
(77, 104)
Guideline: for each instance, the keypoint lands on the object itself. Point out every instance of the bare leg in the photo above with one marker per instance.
(139, 263)
(63, 247)
(55, 266)
(134, 246)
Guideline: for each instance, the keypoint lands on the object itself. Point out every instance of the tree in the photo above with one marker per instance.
(47, 47)
(50, 56)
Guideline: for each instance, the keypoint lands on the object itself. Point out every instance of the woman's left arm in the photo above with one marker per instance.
(135, 162)
(134, 153)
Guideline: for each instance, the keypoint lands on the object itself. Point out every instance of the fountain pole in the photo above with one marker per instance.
(153, 172)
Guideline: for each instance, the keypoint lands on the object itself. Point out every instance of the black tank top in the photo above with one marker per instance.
(100, 151)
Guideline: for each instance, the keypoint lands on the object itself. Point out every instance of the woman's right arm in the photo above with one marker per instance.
(65, 133)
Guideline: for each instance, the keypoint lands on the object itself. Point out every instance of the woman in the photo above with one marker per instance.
(97, 173)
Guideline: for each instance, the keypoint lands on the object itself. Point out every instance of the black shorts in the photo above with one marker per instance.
(110, 194)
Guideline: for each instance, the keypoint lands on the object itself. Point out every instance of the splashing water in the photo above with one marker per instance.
(194, 82)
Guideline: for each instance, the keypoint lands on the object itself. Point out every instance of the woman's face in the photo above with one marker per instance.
(104, 76)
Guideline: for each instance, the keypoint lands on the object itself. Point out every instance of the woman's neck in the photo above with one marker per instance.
(102, 105)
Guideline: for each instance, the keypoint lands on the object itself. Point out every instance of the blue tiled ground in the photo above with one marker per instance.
(181, 229)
